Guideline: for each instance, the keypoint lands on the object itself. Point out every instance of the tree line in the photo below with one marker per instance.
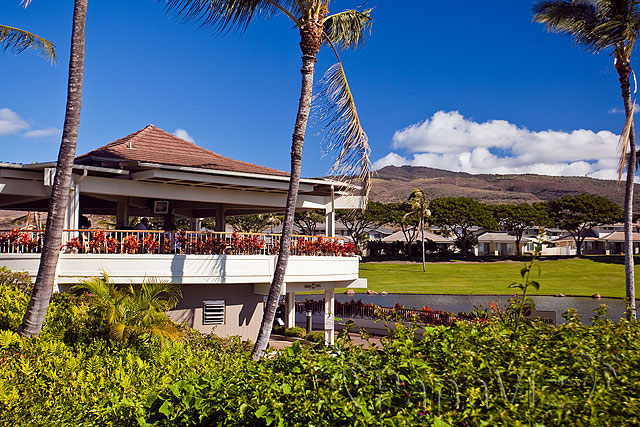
(461, 217)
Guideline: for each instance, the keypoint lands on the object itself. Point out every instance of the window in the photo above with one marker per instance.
(213, 312)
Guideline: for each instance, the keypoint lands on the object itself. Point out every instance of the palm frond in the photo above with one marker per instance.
(623, 142)
(579, 19)
(346, 29)
(593, 24)
(227, 15)
(335, 110)
(16, 40)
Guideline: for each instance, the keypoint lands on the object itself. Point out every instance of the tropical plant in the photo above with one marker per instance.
(420, 207)
(133, 312)
(600, 25)
(16, 40)
(401, 215)
(42, 290)
(336, 107)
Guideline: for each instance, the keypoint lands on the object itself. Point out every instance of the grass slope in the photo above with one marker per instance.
(570, 277)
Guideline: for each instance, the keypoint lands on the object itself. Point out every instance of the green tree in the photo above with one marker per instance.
(358, 222)
(16, 40)
(579, 214)
(133, 312)
(400, 214)
(43, 288)
(250, 223)
(600, 25)
(517, 218)
(420, 207)
(336, 106)
(307, 221)
(458, 216)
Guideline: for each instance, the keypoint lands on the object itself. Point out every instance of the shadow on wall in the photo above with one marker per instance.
(186, 317)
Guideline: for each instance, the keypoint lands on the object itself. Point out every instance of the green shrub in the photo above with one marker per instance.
(278, 330)
(13, 305)
(296, 331)
(315, 336)
(17, 279)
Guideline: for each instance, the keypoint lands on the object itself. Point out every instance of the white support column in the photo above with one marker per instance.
(221, 219)
(122, 215)
(330, 217)
(329, 310)
(290, 310)
(72, 214)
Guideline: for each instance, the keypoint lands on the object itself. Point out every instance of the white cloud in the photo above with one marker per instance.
(10, 122)
(615, 110)
(450, 141)
(42, 133)
(181, 133)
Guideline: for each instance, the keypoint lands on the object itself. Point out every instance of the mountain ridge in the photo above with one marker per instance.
(395, 183)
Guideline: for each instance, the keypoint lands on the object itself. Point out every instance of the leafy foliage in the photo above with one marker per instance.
(517, 218)
(133, 312)
(16, 40)
(458, 216)
(252, 223)
(578, 214)
(358, 222)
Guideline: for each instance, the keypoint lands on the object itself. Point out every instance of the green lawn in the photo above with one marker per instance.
(570, 277)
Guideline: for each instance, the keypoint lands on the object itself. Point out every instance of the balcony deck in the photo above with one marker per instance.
(186, 257)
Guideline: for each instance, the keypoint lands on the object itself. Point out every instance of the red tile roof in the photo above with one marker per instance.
(154, 145)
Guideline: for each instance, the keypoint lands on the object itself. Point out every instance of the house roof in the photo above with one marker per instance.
(154, 145)
(618, 236)
(436, 238)
(497, 237)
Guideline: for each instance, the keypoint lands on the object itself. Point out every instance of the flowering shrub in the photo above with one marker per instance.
(19, 241)
(131, 244)
(182, 240)
(73, 245)
(150, 243)
(214, 246)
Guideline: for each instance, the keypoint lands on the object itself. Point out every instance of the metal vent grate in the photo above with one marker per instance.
(213, 312)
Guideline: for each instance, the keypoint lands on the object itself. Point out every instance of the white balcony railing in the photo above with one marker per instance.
(173, 242)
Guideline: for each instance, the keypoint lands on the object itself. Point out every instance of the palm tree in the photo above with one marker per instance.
(16, 40)
(39, 302)
(601, 25)
(336, 106)
(420, 207)
(132, 312)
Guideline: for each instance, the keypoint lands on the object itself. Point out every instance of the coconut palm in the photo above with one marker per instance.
(132, 312)
(16, 40)
(600, 25)
(420, 207)
(39, 302)
(336, 106)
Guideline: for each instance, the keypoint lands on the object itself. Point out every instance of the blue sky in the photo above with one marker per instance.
(475, 87)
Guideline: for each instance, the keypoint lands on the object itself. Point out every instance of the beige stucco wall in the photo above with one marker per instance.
(243, 309)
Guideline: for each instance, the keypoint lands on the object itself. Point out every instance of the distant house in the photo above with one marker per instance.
(499, 243)
(224, 277)
(443, 243)
(602, 240)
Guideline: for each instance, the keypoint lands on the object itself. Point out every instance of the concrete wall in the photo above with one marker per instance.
(243, 309)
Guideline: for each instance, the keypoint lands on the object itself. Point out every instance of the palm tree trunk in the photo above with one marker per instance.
(624, 72)
(310, 45)
(39, 302)
(424, 265)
